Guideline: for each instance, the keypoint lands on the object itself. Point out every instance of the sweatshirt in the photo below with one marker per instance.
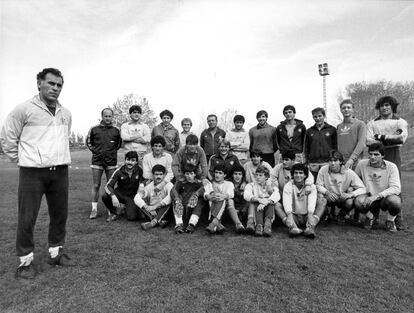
(296, 201)
(351, 139)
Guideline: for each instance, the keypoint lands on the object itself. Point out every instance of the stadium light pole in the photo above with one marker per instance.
(324, 71)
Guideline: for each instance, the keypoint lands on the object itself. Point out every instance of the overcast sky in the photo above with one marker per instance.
(198, 57)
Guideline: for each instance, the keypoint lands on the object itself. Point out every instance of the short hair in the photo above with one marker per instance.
(238, 168)
(238, 118)
(166, 112)
(102, 112)
(42, 75)
(346, 101)
(289, 107)
(158, 168)
(318, 109)
(186, 120)
(387, 99)
(299, 167)
(134, 108)
(377, 146)
(212, 115)
(131, 155)
(254, 153)
(334, 154)
(264, 170)
(260, 113)
(191, 140)
(189, 168)
(224, 141)
(158, 139)
(289, 154)
(221, 167)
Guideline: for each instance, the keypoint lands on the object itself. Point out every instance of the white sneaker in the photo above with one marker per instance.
(94, 214)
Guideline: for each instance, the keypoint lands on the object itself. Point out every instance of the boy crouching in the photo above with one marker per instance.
(186, 203)
(154, 199)
(262, 195)
(299, 206)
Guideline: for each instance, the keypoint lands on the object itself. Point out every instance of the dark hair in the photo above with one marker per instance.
(131, 155)
(186, 119)
(260, 113)
(333, 154)
(189, 168)
(377, 146)
(238, 168)
(256, 153)
(238, 118)
(289, 154)
(42, 75)
(158, 139)
(316, 110)
(212, 115)
(134, 108)
(158, 168)
(102, 112)
(289, 107)
(387, 99)
(221, 167)
(166, 112)
(264, 170)
(191, 140)
(299, 167)
(346, 101)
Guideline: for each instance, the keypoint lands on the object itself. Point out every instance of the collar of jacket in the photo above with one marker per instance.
(37, 101)
(325, 125)
(169, 126)
(298, 122)
(104, 125)
(393, 117)
(134, 169)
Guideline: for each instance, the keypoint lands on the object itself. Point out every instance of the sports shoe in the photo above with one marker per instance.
(267, 230)
(94, 214)
(294, 231)
(112, 217)
(146, 225)
(259, 230)
(179, 229)
(240, 228)
(190, 229)
(390, 226)
(26, 271)
(220, 228)
(62, 259)
(399, 223)
(250, 226)
(163, 223)
(368, 223)
(211, 228)
(310, 231)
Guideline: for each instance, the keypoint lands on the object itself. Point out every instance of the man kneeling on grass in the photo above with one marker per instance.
(337, 187)
(383, 186)
(300, 206)
(127, 178)
(154, 199)
(262, 196)
(186, 203)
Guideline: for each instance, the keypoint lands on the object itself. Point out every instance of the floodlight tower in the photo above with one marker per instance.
(324, 71)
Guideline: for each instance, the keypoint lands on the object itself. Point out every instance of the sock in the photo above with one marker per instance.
(54, 251)
(369, 215)
(26, 259)
(316, 218)
(178, 220)
(390, 217)
(284, 220)
(94, 206)
(193, 219)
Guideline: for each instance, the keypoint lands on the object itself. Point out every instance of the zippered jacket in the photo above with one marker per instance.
(104, 142)
(319, 143)
(33, 137)
(296, 143)
(210, 144)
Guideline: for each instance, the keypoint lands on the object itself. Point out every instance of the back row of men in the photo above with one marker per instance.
(219, 169)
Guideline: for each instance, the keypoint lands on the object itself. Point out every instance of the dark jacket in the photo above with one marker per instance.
(104, 142)
(126, 185)
(228, 162)
(183, 190)
(296, 143)
(318, 143)
(210, 144)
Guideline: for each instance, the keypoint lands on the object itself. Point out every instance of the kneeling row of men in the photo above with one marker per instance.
(288, 192)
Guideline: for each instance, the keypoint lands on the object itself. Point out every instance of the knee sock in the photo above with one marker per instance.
(193, 219)
(390, 217)
(94, 206)
(26, 259)
(369, 215)
(54, 251)
(178, 220)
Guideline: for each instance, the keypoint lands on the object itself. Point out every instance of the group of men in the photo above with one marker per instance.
(321, 173)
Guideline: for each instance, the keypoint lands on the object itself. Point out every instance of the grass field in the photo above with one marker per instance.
(120, 268)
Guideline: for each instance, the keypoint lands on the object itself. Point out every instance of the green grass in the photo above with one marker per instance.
(120, 268)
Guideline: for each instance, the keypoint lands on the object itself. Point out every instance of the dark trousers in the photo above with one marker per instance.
(131, 210)
(267, 212)
(269, 158)
(52, 182)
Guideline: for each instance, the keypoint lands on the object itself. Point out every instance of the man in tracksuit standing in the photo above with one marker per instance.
(103, 140)
(36, 135)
